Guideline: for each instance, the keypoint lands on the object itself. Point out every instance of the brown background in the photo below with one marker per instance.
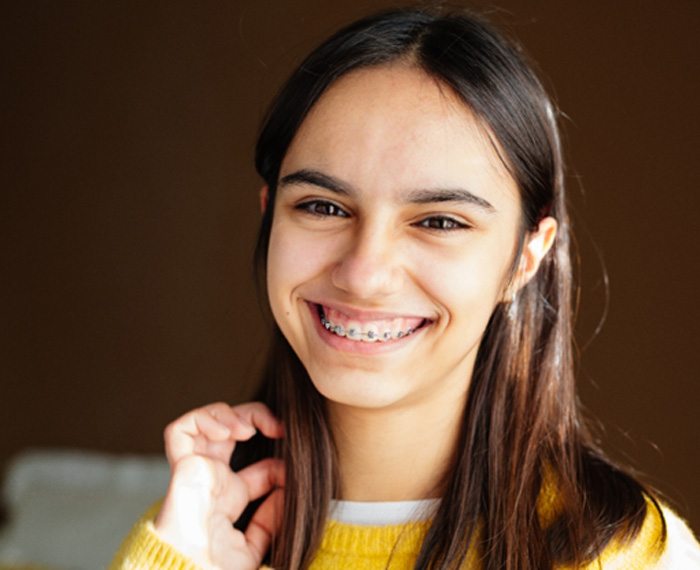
(129, 210)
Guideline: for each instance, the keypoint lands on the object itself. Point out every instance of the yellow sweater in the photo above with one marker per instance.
(347, 546)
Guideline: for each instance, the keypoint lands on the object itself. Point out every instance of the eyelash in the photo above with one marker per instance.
(444, 223)
(311, 206)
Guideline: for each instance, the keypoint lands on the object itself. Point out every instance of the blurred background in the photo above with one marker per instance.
(129, 211)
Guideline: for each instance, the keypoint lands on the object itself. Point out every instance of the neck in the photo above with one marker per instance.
(397, 454)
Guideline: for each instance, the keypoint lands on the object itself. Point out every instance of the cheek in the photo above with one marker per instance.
(294, 258)
(468, 282)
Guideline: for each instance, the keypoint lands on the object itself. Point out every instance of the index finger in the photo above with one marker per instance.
(259, 416)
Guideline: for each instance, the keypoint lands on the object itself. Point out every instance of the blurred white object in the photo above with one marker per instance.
(71, 509)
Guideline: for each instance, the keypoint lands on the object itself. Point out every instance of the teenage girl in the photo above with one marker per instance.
(419, 407)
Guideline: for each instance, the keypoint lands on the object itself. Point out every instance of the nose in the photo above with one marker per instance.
(370, 266)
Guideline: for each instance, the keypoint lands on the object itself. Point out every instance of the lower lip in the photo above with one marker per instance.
(359, 347)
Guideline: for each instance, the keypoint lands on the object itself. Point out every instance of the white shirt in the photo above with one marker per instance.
(382, 513)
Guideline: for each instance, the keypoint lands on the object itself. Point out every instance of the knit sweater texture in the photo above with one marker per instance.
(358, 547)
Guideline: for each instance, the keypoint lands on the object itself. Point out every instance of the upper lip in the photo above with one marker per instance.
(365, 315)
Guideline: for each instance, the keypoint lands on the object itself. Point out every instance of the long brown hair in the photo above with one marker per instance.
(522, 430)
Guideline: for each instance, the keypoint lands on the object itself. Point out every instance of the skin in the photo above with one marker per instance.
(382, 134)
(385, 134)
(205, 497)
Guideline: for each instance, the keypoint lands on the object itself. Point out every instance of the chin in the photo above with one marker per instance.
(358, 389)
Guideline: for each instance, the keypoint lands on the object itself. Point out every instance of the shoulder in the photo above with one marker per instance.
(664, 542)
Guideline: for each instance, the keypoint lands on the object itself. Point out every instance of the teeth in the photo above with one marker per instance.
(354, 330)
(372, 332)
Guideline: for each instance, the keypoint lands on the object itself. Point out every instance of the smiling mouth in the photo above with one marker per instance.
(382, 331)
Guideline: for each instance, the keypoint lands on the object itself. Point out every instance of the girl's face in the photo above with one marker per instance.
(395, 225)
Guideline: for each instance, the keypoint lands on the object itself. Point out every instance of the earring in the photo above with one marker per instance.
(513, 306)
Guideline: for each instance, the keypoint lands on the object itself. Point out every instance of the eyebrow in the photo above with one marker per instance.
(316, 178)
(449, 195)
(422, 196)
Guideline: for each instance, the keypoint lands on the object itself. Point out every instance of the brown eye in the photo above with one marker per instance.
(322, 208)
(442, 223)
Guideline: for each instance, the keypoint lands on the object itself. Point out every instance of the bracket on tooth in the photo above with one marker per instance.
(354, 333)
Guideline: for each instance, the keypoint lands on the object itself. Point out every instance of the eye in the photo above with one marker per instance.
(322, 208)
(442, 223)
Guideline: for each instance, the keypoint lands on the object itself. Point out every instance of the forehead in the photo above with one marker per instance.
(395, 127)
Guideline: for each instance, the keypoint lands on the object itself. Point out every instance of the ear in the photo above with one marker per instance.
(264, 196)
(537, 244)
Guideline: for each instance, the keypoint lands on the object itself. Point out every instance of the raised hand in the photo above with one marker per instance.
(205, 497)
